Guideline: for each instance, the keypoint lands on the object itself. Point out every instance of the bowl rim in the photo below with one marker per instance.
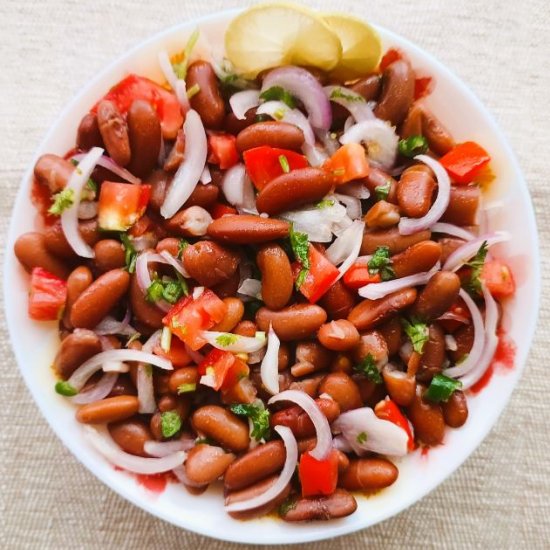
(311, 534)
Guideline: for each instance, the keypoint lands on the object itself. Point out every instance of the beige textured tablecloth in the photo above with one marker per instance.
(501, 48)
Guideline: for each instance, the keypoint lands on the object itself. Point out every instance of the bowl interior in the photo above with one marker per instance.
(35, 343)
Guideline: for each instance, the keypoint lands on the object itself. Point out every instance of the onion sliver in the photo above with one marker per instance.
(251, 288)
(479, 340)
(352, 204)
(176, 264)
(206, 176)
(346, 244)
(241, 102)
(152, 341)
(188, 174)
(467, 251)
(145, 390)
(160, 449)
(167, 69)
(109, 325)
(69, 218)
(454, 230)
(319, 420)
(282, 112)
(104, 444)
(352, 101)
(100, 390)
(109, 164)
(181, 95)
(354, 189)
(283, 480)
(305, 87)
(408, 226)
(233, 184)
(269, 369)
(233, 342)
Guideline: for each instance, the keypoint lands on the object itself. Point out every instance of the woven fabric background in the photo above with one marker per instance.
(500, 497)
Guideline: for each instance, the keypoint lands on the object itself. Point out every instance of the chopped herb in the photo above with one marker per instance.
(473, 284)
(412, 146)
(183, 244)
(186, 388)
(417, 332)
(441, 388)
(325, 203)
(252, 307)
(367, 367)
(204, 441)
(166, 339)
(279, 114)
(133, 338)
(154, 292)
(283, 161)
(169, 290)
(262, 118)
(276, 93)
(64, 388)
(361, 438)
(381, 263)
(170, 423)
(62, 200)
(338, 93)
(193, 91)
(226, 339)
(148, 369)
(91, 185)
(382, 191)
(286, 506)
(259, 416)
(300, 246)
(130, 253)
(181, 68)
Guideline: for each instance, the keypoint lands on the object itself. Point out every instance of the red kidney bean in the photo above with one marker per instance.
(397, 92)
(338, 301)
(108, 410)
(379, 178)
(295, 322)
(401, 387)
(203, 195)
(369, 87)
(222, 426)
(438, 137)
(341, 363)
(88, 134)
(433, 356)
(131, 435)
(342, 389)
(209, 263)
(412, 125)
(159, 180)
(277, 280)
(368, 474)
(426, 418)
(114, 131)
(208, 102)
(30, 249)
(53, 171)
(392, 331)
(78, 281)
(310, 357)
(392, 239)
(437, 296)
(448, 246)
(372, 343)
(182, 376)
(272, 133)
(338, 335)
(206, 463)
(56, 242)
(463, 205)
(337, 505)
(175, 157)
(76, 348)
(145, 136)
(415, 191)
(109, 254)
(123, 386)
(190, 222)
(382, 215)
(464, 337)
(145, 312)
(234, 125)
(229, 287)
(170, 244)
(455, 410)
(307, 385)
(417, 258)
(247, 229)
(246, 328)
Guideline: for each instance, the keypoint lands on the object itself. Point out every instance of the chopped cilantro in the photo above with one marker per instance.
(276, 93)
(183, 244)
(133, 338)
(168, 290)
(441, 388)
(367, 367)
(381, 263)
(382, 191)
(412, 146)
(338, 93)
(283, 161)
(286, 506)
(325, 203)
(279, 114)
(130, 253)
(361, 438)
(186, 388)
(417, 332)
(226, 339)
(473, 284)
(193, 91)
(300, 246)
(259, 416)
(64, 388)
(154, 292)
(181, 68)
(170, 423)
(62, 200)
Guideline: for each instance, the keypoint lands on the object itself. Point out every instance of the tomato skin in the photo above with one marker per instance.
(318, 477)
(121, 204)
(177, 354)
(47, 295)
(348, 163)
(321, 276)
(358, 275)
(226, 369)
(389, 57)
(464, 161)
(223, 150)
(422, 86)
(498, 279)
(164, 102)
(388, 410)
(263, 164)
(219, 210)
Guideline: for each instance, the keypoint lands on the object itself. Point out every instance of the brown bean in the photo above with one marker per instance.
(370, 313)
(412, 125)
(170, 245)
(99, 298)
(338, 301)
(426, 418)
(234, 125)
(155, 425)
(341, 363)
(145, 136)
(190, 222)
(283, 357)
(342, 389)
(372, 343)
(209, 263)
(293, 189)
(208, 102)
(448, 246)
(108, 410)
(175, 157)
(53, 171)
(114, 131)
(310, 357)
(243, 391)
(391, 331)
(340, 335)
(76, 348)
(369, 87)
(234, 314)
(77, 282)
(131, 435)
(368, 474)
(203, 195)
(277, 280)
(455, 410)
(56, 242)
(30, 249)
(123, 386)
(437, 296)
(222, 426)
(206, 463)
(247, 229)
(182, 376)
(255, 465)
(463, 205)
(229, 287)
(272, 133)
(159, 180)
(392, 239)
(109, 254)
(296, 322)
(438, 137)
(417, 258)
(415, 191)
(307, 385)
(382, 215)
(464, 337)
(88, 134)
(379, 178)
(433, 356)
(337, 505)
(397, 92)
(145, 312)
(246, 328)
(401, 387)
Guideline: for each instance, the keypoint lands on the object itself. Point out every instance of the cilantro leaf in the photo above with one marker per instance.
(130, 253)
(64, 388)
(187, 388)
(473, 284)
(367, 367)
(338, 93)
(361, 438)
(62, 200)
(170, 423)
(300, 247)
(181, 68)
(154, 292)
(412, 146)
(193, 91)
(417, 332)
(441, 388)
(276, 93)
(382, 191)
(183, 244)
(259, 416)
(325, 203)
(288, 505)
(381, 263)
(226, 339)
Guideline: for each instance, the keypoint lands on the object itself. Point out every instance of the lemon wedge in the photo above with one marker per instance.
(274, 34)
(361, 46)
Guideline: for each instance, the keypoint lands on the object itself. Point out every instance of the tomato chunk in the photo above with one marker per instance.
(225, 369)
(321, 276)
(223, 150)
(121, 205)
(318, 477)
(498, 278)
(358, 275)
(465, 161)
(388, 410)
(219, 210)
(47, 296)
(348, 163)
(389, 57)
(177, 354)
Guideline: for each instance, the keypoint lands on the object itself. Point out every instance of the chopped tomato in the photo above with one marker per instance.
(121, 205)
(318, 477)
(389, 57)
(388, 410)
(358, 275)
(348, 163)
(164, 102)
(224, 367)
(144, 224)
(264, 164)
(190, 316)
(422, 86)
(321, 275)
(219, 210)
(464, 161)
(498, 279)
(223, 150)
(47, 295)
(177, 354)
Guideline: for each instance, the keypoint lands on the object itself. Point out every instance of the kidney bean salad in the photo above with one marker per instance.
(268, 270)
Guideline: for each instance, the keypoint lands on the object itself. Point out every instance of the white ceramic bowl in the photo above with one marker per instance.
(35, 343)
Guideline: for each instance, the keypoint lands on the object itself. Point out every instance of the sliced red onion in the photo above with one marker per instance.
(152, 342)
(252, 288)
(87, 210)
(329, 141)
(352, 204)
(374, 291)
(257, 356)
(451, 316)
(347, 245)
(206, 177)
(355, 103)
(145, 390)
(382, 437)
(145, 241)
(281, 111)
(196, 357)
(235, 342)
(233, 184)
(109, 164)
(69, 218)
(283, 480)
(467, 251)
(160, 449)
(180, 474)
(98, 391)
(454, 230)
(144, 277)
(319, 420)
(167, 69)
(354, 189)
(109, 325)
(379, 137)
(340, 443)
(181, 95)
(315, 156)
(269, 370)
(408, 226)
(104, 444)
(187, 176)
(241, 102)
(175, 263)
(474, 356)
(197, 292)
(305, 87)
(450, 342)
(116, 366)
